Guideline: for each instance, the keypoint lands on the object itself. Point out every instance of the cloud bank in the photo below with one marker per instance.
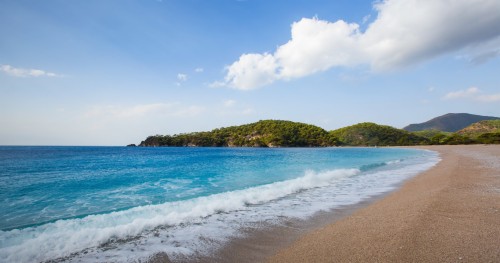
(404, 32)
(141, 110)
(21, 72)
(472, 93)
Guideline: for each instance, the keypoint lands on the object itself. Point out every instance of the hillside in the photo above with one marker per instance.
(371, 134)
(265, 133)
(450, 122)
(476, 129)
(279, 133)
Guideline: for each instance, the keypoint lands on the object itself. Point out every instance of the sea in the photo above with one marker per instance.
(125, 204)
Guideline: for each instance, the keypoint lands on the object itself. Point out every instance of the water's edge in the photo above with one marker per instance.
(258, 244)
(246, 225)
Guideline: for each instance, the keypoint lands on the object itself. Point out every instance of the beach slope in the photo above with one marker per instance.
(450, 213)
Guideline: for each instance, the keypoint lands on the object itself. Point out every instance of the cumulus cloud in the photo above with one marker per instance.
(198, 70)
(252, 71)
(404, 32)
(315, 46)
(472, 93)
(22, 72)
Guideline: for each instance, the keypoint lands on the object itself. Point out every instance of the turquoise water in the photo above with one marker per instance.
(104, 195)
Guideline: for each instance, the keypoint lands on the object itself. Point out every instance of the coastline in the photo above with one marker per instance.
(449, 213)
(259, 244)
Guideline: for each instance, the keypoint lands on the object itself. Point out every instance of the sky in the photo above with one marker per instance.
(114, 72)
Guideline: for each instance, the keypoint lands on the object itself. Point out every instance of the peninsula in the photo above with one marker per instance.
(280, 133)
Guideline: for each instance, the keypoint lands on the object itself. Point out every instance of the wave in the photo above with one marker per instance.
(372, 166)
(64, 237)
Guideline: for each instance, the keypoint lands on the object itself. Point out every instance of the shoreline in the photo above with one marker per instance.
(449, 213)
(259, 244)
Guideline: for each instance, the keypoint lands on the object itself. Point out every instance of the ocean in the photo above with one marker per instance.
(124, 204)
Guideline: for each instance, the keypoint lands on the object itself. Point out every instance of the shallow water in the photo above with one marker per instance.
(125, 204)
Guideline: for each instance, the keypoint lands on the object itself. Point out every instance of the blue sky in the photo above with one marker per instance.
(113, 72)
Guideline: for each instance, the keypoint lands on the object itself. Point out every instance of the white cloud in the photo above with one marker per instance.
(314, 47)
(468, 93)
(189, 111)
(141, 110)
(199, 70)
(21, 72)
(483, 52)
(252, 71)
(366, 19)
(217, 84)
(489, 98)
(229, 103)
(182, 77)
(248, 111)
(472, 93)
(404, 32)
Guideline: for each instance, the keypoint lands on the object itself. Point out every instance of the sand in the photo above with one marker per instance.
(451, 213)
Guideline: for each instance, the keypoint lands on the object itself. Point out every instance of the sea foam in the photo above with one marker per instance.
(64, 237)
(201, 225)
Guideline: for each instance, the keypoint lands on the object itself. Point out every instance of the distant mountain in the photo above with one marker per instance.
(371, 134)
(476, 129)
(450, 122)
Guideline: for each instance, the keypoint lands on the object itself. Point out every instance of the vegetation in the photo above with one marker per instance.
(429, 134)
(435, 137)
(482, 132)
(266, 133)
(371, 134)
(477, 129)
(489, 138)
(278, 133)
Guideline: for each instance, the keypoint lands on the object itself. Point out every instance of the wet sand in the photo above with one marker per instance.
(451, 213)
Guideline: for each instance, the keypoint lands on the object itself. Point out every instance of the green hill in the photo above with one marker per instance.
(487, 132)
(278, 133)
(265, 133)
(431, 133)
(371, 134)
(476, 129)
(450, 122)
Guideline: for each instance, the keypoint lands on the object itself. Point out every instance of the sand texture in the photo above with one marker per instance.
(450, 213)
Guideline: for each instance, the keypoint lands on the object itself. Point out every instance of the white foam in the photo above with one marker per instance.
(204, 236)
(393, 162)
(63, 237)
(202, 224)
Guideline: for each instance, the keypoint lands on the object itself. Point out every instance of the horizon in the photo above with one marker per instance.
(93, 73)
(137, 143)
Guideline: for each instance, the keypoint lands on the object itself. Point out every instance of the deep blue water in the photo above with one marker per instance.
(57, 190)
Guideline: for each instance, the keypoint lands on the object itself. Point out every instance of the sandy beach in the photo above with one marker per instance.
(451, 213)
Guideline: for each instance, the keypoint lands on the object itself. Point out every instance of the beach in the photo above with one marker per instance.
(401, 205)
(450, 213)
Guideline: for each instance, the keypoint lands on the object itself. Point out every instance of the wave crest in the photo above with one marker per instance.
(64, 237)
